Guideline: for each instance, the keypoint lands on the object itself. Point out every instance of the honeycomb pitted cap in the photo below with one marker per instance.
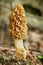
(17, 25)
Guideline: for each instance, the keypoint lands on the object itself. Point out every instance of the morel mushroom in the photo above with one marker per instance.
(18, 29)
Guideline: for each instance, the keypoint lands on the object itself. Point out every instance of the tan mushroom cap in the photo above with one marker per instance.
(17, 25)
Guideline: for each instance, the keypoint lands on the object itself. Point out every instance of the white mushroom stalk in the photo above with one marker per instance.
(20, 50)
(18, 29)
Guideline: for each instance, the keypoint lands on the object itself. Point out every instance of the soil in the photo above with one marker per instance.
(33, 44)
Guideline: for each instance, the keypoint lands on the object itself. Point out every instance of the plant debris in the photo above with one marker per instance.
(33, 44)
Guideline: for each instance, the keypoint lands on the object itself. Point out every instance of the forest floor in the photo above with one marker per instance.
(33, 43)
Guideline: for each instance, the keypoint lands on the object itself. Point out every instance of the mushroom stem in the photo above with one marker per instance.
(20, 50)
(19, 44)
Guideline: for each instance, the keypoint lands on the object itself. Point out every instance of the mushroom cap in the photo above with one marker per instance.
(17, 25)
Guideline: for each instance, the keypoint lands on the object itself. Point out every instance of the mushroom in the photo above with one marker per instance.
(18, 29)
